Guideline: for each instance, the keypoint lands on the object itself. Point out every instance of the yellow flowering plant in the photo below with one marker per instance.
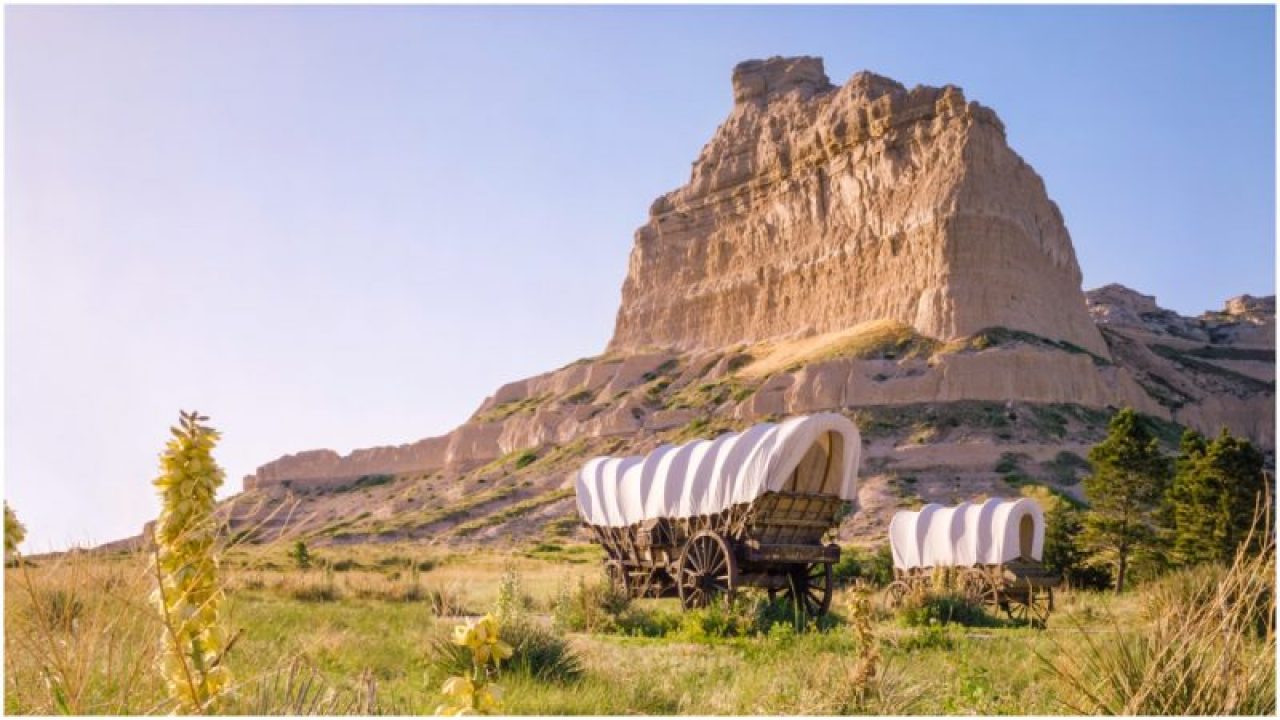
(476, 694)
(188, 593)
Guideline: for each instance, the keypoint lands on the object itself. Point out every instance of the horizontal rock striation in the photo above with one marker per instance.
(815, 208)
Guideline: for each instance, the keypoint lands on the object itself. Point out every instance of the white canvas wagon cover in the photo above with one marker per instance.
(993, 532)
(815, 454)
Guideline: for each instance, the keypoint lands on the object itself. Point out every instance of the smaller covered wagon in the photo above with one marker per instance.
(702, 519)
(991, 551)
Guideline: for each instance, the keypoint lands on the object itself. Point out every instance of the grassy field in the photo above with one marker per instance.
(80, 638)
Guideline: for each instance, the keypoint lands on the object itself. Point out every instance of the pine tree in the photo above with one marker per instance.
(1215, 491)
(14, 532)
(1129, 478)
(301, 555)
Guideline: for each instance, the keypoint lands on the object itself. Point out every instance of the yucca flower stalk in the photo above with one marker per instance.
(476, 694)
(188, 593)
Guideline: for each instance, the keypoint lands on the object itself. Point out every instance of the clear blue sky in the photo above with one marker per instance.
(341, 227)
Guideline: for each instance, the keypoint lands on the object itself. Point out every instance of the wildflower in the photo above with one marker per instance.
(188, 590)
(476, 694)
(482, 637)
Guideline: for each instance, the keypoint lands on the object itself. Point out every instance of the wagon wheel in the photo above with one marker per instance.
(813, 585)
(1031, 607)
(896, 593)
(707, 569)
(618, 579)
(978, 588)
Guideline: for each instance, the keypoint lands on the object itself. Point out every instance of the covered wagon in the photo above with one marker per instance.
(702, 519)
(990, 550)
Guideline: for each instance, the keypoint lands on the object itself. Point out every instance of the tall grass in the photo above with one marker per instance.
(1207, 646)
(81, 638)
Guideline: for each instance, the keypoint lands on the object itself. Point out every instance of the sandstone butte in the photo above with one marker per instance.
(816, 207)
(865, 248)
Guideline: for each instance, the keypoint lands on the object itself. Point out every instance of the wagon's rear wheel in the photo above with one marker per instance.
(812, 585)
(1030, 605)
(707, 571)
(896, 593)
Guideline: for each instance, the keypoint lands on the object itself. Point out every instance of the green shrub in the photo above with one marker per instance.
(849, 568)
(932, 636)
(636, 621)
(589, 607)
(750, 615)
(1010, 462)
(878, 568)
(1065, 467)
(942, 609)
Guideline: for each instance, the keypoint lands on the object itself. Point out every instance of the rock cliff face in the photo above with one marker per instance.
(1208, 372)
(864, 249)
(815, 208)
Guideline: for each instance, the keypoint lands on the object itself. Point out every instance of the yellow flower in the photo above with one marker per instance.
(465, 635)
(459, 687)
(482, 637)
(490, 697)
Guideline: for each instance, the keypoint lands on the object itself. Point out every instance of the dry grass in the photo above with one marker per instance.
(366, 649)
(1205, 645)
(81, 638)
(879, 338)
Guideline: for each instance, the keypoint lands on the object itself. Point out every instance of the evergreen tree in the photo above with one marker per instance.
(14, 532)
(301, 555)
(1129, 478)
(1215, 491)
(1062, 526)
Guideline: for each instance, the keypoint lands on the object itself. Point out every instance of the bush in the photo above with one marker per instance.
(750, 615)
(316, 592)
(525, 459)
(446, 601)
(933, 636)
(1010, 462)
(849, 568)
(929, 609)
(61, 609)
(640, 622)
(874, 568)
(589, 607)
(878, 568)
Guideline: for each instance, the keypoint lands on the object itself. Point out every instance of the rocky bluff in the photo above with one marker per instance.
(815, 207)
(865, 248)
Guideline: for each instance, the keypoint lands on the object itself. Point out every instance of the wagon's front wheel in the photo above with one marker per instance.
(812, 585)
(978, 588)
(618, 578)
(707, 570)
(895, 594)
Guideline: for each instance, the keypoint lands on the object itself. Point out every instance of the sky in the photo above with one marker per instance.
(344, 227)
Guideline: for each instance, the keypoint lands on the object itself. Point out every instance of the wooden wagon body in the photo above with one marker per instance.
(989, 552)
(776, 540)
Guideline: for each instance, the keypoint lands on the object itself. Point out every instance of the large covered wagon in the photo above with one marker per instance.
(702, 519)
(991, 551)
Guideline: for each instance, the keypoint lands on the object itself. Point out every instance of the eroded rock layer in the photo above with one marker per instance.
(815, 208)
